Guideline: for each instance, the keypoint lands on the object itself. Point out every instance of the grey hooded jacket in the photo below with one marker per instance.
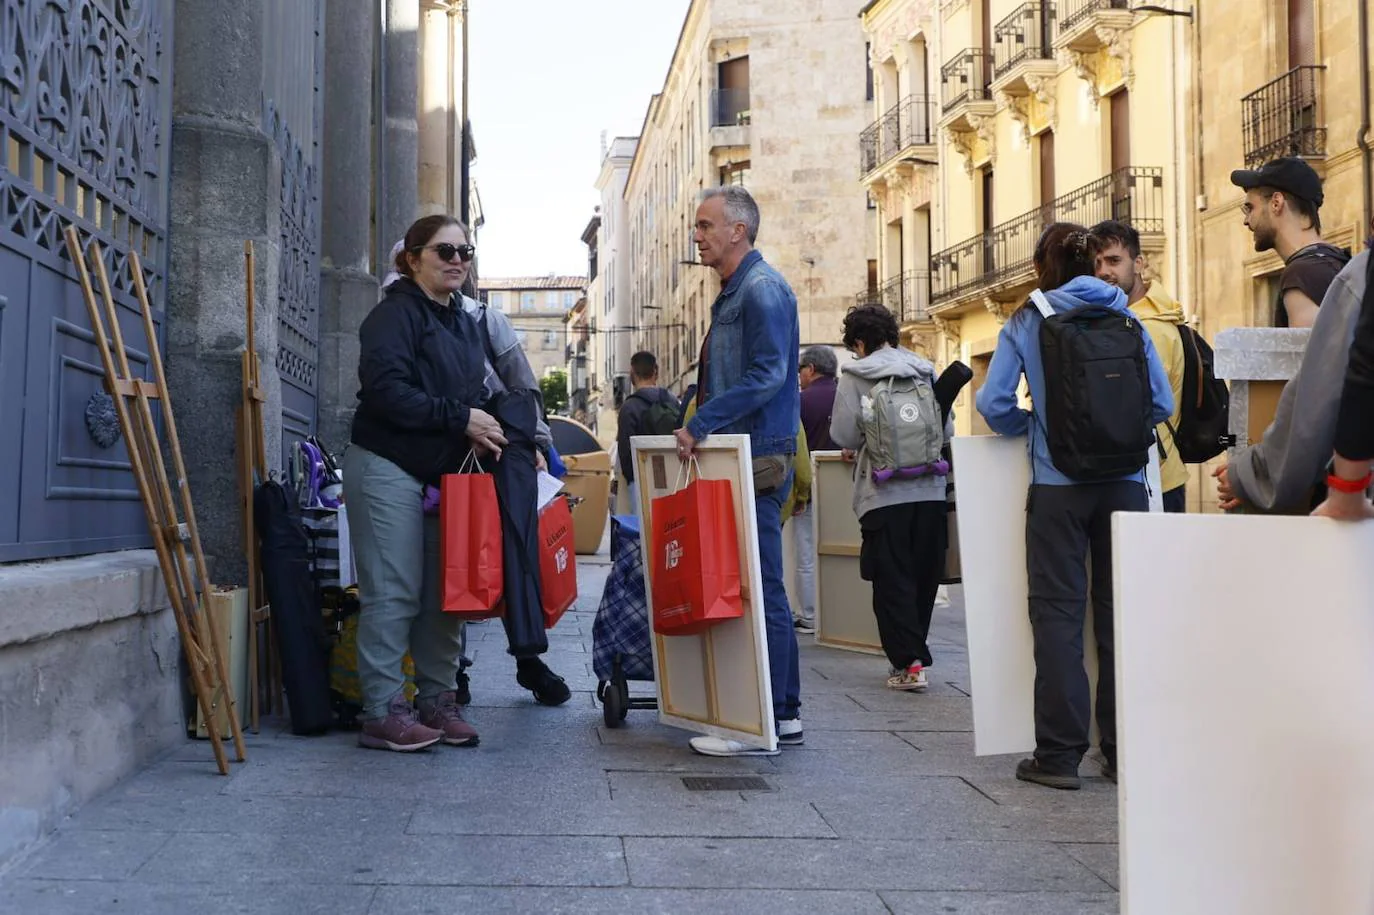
(1277, 475)
(857, 378)
(512, 370)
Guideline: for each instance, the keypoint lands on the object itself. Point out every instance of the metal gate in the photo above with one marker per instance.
(85, 93)
(293, 64)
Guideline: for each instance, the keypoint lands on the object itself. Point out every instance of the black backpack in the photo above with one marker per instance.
(660, 418)
(1098, 404)
(1204, 415)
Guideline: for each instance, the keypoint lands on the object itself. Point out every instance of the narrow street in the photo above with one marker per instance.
(885, 809)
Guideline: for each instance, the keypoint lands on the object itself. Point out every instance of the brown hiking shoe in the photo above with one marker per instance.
(444, 714)
(398, 731)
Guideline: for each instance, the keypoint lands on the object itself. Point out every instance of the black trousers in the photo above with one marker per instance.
(1065, 527)
(1176, 500)
(903, 556)
(517, 490)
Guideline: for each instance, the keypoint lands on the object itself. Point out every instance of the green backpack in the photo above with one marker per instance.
(660, 418)
(901, 425)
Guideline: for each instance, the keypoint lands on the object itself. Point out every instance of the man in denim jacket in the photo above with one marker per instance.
(747, 385)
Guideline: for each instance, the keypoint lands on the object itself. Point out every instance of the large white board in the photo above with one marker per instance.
(716, 682)
(1245, 685)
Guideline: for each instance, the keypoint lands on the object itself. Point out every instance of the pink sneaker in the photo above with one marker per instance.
(398, 731)
(444, 714)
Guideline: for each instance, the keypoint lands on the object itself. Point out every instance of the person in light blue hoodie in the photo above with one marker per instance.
(1066, 520)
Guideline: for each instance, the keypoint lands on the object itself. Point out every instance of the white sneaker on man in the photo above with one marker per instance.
(719, 746)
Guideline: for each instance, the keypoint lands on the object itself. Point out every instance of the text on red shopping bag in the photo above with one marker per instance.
(696, 571)
(557, 561)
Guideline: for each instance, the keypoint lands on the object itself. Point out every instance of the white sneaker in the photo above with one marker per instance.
(718, 746)
(911, 679)
(790, 733)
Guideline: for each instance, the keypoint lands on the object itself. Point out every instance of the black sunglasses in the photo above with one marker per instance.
(446, 251)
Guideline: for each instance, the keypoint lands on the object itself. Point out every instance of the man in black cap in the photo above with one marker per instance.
(1282, 206)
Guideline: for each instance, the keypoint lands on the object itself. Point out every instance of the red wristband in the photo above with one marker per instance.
(1349, 487)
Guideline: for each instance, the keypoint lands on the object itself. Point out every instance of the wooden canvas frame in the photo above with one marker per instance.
(844, 601)
(715, 683)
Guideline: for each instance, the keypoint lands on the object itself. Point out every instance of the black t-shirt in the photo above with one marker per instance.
(1310, 271)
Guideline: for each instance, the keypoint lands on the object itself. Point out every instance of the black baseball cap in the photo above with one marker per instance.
(1289, 174)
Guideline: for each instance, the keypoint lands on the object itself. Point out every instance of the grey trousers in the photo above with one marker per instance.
(396, 551)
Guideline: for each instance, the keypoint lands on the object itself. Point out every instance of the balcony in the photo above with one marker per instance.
(730, 117)
(966, 89)
(1003, 255)
(1023, 46)
(1280, 118)
(906, 128)
(907, 296)
(1079, 21)
(868, 297)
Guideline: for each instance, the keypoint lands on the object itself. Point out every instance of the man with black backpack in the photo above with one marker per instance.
(649, 410)
(1282, 209)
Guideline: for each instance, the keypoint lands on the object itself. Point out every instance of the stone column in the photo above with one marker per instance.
(225, 188)
(400, 153)
(348, 290)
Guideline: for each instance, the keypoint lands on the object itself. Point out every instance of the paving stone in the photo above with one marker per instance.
(73, 855)
(1102, 859)
(853, 864)
(71, 897)
(900, 903)
(569, 901)
(243, 815)
(706, 814)
(360, 858)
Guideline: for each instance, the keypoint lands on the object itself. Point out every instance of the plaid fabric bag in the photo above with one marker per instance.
(622, 619)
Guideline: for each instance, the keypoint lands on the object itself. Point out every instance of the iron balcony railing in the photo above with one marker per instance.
(1075, 11)
(1027, 34)
(1280, 118)
(869, 297)
(1133, 195)
(966, 78)
(907, 296)
(908, 123)
(729, 107)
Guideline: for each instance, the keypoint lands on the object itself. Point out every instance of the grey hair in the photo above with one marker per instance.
(822, 359)
(739, 207)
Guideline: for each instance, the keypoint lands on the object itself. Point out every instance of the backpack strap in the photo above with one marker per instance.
(1042, 304)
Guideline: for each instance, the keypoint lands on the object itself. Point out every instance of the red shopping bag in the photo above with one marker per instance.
(470, 545)
(696, 567)
(557, 561)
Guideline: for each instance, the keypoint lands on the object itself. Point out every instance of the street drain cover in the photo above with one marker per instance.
(724, 783)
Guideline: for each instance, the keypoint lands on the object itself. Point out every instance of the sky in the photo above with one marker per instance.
(545, 78)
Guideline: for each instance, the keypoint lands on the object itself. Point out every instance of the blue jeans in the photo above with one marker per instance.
(784, 666)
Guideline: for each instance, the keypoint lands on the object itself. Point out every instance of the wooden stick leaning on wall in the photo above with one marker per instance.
(252, 470)
(132, 401)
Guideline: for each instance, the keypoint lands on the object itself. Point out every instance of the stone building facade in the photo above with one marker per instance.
(757, 95)
(609, 297)
(538, 307)
(181, 130)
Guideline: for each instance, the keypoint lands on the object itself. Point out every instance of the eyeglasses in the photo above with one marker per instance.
(447, 252)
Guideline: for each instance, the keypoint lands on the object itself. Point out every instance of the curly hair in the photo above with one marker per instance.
(1064, 251)
(873, 325)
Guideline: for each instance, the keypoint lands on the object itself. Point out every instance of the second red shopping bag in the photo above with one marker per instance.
(557, 561)
(695, 556)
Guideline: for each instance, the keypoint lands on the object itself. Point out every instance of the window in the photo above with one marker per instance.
(569, 299)
(868, 63)
(522, 337)
(526, 301)
(497, 300)
(551, 300)
(550, 339)
(735, 173)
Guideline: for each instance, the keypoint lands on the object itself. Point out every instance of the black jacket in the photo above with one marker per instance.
(631, 422)
(421, 370)
(1355, 425)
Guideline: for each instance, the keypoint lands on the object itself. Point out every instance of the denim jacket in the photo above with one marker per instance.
(750, 382)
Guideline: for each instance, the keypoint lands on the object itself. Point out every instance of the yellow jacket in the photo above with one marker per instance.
(1161, 316)
(801, 481)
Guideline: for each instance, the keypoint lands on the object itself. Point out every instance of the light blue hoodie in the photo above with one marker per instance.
(1018, 353)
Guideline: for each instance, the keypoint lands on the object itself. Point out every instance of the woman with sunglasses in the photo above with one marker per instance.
(431, 391)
